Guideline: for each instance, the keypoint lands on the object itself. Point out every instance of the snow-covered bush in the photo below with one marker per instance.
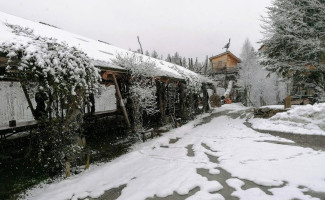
(64, 77)
(52, 66)
(142, 91)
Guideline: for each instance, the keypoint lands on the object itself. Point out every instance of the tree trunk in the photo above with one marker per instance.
(205, 102)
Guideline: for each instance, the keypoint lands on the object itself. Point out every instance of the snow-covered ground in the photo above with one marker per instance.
(307, 119)
(238, 161)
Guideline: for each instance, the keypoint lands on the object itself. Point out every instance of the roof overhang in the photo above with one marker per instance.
(225, 53)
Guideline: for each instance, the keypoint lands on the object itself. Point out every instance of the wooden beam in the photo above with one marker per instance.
(125, 114)
(106, 74)
(67, 168)
(4, 61)
(10, 79)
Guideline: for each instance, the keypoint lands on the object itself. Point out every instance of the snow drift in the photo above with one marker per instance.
(308, 119)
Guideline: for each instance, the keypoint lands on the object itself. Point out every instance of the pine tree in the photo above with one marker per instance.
(184, 62)
(294, 39)
(175, 58)
(190, 64)
(169, 58)
(206, 64)
(197, 66)
(147, 53)
(154, 54)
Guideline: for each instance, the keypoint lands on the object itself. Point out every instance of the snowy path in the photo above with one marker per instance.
(220, 159)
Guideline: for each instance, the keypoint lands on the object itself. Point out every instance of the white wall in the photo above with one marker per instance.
(13, 104)
(106, 99)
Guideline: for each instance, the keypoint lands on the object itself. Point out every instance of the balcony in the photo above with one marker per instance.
(225, 70)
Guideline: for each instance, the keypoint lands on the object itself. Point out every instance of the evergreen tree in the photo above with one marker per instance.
(197, 66)
(206, 64)
(184, 62)
(294, 39)
(169, 58)
(147, 53)
(154, 54)
(176, 58)
(190, 64)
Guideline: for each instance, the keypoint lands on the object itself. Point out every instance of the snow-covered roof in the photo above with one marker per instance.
(101, 53)
(107, 65)
(224, 53)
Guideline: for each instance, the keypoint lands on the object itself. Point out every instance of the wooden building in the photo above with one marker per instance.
(224, 70)
(171, 80)
(106, 120)
(224, 62)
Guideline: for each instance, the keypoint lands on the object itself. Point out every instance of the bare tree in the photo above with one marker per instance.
(140, 45)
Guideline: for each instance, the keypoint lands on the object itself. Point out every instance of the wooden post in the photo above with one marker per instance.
(152, 134)
(287, 102)
(87, 161)
(191, 105)
(121, 101)
(162, 100)
(182, 100)
(143, 136)
(67, 168)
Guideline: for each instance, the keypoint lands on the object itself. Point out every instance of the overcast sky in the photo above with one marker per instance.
(194, 28)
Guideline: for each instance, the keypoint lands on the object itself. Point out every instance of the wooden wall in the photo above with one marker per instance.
(231, 62)
(220, 62)
(13, 104)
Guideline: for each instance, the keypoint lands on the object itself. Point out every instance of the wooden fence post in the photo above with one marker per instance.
(67, 168)
(287, 102)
